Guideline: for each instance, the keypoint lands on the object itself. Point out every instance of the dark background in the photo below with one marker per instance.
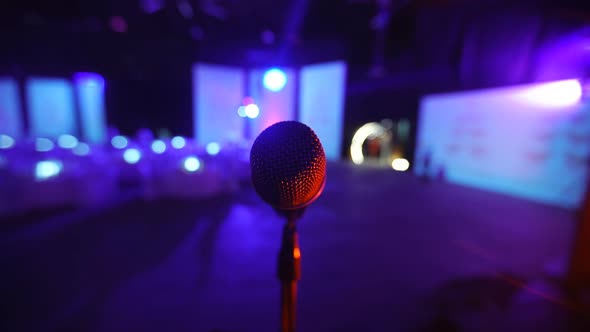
(429, 46)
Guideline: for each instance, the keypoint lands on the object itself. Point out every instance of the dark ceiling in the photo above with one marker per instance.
(220, 29)
(428, 46)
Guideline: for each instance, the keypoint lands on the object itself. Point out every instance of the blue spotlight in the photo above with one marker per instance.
(274, 79)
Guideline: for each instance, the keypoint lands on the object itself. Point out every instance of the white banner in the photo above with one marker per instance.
(10, 109)
(217, 93)
(321, 103)
(530, 141)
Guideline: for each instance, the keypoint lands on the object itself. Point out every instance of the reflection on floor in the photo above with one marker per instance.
(382, 251)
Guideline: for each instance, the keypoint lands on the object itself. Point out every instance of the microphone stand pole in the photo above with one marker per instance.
(289, 270)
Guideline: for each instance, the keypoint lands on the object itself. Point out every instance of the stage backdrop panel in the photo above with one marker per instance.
(321, 103)
(218, 92)
(275, 106)
(10, 108)
(529, 141)
(90, 94)
(51, 107)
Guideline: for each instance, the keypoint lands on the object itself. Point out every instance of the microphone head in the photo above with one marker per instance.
(288, 165)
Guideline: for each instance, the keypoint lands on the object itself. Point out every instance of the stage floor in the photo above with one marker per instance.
(381, 251)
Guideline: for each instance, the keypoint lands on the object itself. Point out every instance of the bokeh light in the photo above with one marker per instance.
(555, 94)
(370, 129)
(178, 142)
(82, 149)
(274, 79)
(119, 142)
(400, 164)
(132, 156)
(242, 111)
(213, 148)
(47, 169)
(118, 24)
(67, 141)
(252, 111)
(158, 146)
(43, 144)
(6, 142)
(191, 164)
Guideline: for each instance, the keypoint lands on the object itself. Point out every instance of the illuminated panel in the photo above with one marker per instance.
(529, 141)
(10, 109)
(90, 93)
(275, 106)
(321, 103)
(217, 94)
(51, 107)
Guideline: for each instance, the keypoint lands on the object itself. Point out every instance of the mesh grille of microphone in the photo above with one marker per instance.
(288, 165)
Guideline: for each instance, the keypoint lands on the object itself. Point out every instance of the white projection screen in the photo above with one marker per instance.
(321, 103)
(51, 107)
(275, 106)
(217, 93)
(528, 141)
(10, 108)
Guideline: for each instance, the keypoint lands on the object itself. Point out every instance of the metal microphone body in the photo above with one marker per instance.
(288, 167)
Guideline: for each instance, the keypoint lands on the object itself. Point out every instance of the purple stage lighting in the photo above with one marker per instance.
(152, 6)
(267, 37)
(185, 9)
(118, 24)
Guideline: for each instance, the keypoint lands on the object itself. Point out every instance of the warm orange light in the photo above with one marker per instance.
(296, 253)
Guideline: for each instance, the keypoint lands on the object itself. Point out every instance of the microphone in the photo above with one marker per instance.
(288, 166)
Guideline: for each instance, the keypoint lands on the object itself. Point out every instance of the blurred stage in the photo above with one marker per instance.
(382, 251)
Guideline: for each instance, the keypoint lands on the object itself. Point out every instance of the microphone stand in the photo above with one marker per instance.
(289, 269)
